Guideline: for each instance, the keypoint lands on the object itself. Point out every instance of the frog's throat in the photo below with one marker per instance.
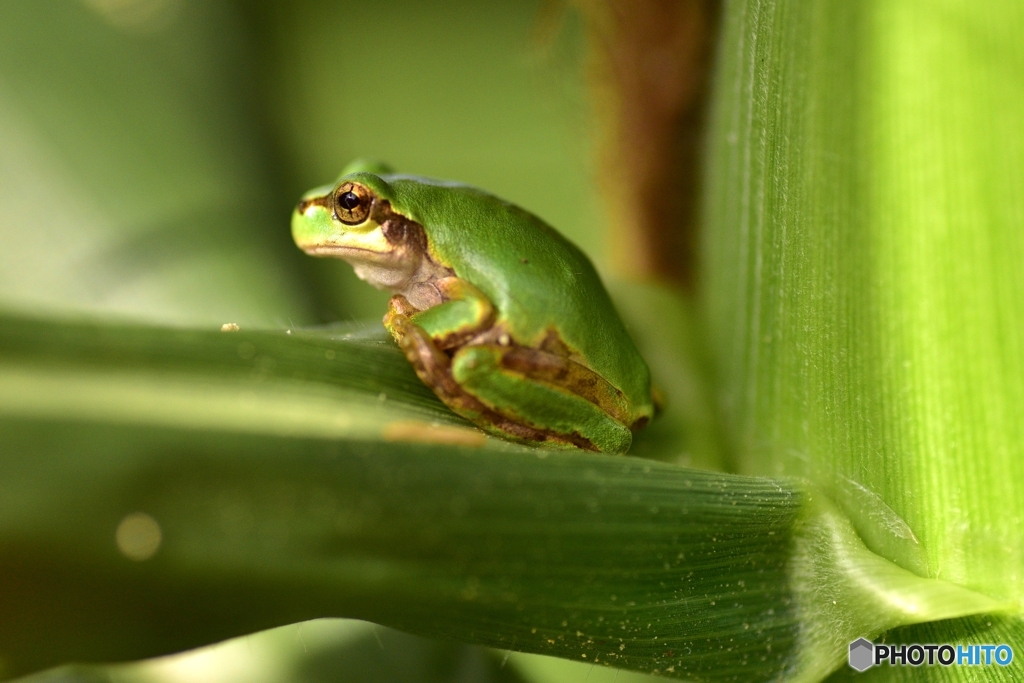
(400, 260)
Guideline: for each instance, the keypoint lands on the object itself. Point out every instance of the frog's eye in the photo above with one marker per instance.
(352, 203)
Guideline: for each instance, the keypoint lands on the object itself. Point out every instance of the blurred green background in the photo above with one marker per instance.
(153, 149)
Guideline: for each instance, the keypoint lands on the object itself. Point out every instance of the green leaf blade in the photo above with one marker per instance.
(279, 492)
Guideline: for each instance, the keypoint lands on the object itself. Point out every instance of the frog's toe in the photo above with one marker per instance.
(561, 416)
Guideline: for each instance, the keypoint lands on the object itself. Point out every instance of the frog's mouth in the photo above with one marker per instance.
(384, 267)
(351, 252)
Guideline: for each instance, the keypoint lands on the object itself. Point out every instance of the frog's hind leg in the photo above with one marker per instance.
(434, 368)
(547, 392)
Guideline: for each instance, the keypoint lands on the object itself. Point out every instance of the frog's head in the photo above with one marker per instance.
(354, 220)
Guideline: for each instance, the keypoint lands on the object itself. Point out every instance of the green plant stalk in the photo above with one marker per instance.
(862, 267)
(862, 279)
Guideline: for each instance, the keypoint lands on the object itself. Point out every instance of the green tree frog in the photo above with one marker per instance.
(502, 317)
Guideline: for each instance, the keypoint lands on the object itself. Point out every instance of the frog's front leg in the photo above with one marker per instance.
(424, 336)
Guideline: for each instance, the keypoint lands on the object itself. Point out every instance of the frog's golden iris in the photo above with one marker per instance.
(352, 203)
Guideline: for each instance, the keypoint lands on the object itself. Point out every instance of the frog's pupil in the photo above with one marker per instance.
(349, 200)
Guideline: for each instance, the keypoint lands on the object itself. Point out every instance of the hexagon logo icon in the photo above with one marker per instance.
(862, 654)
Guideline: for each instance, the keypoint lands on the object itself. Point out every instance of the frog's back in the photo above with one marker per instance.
(537, 279)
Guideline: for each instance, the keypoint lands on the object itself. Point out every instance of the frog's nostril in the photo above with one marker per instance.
(306, 204)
